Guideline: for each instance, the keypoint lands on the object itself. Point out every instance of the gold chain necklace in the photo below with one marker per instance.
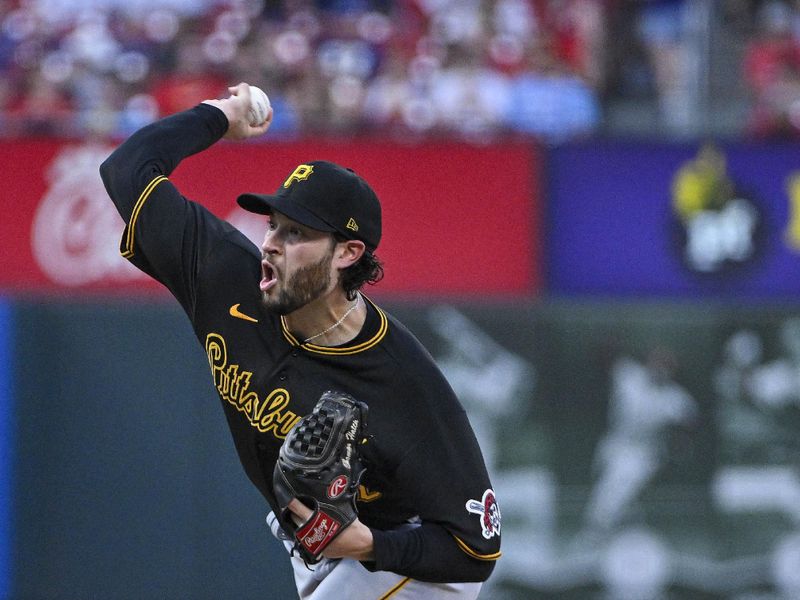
(335, 325)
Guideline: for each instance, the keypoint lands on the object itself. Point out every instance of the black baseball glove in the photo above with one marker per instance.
(320, 464)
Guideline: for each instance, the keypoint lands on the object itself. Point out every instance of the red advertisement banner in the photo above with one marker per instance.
(459, 221)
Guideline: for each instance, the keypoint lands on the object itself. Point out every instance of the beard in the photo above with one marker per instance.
(306, 284)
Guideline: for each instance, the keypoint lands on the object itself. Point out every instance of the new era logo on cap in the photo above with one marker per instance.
(326, 197)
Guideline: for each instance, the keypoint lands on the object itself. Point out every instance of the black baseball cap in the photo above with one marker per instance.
(327, 197)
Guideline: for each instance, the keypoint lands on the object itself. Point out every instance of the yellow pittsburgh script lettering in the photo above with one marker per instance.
(233, 385)
(273, 417)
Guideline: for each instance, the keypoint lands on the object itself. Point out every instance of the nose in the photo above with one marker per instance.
(270, 244)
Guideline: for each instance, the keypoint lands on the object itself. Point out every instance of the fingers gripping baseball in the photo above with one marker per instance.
(247, 109)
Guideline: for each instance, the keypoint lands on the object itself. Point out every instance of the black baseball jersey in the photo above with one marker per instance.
(424, 461)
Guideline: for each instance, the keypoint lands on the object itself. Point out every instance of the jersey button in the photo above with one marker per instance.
(282, 376)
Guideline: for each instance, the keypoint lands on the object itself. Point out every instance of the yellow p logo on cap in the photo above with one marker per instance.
(301, 173)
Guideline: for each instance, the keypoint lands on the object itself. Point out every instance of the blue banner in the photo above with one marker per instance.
(6, 448)
(660, 220)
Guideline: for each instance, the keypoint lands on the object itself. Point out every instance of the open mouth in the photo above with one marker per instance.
(268, 277)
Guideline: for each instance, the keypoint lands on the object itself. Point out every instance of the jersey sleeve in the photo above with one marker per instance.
(444, 476)
(165, 235)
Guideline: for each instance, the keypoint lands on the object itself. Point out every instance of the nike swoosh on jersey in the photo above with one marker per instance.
(235, 312)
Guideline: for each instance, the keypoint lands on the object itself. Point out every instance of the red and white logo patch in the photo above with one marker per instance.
(318, 532)
(337, 487)
(489, 512)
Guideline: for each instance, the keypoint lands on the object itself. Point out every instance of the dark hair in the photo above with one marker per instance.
(368, 270)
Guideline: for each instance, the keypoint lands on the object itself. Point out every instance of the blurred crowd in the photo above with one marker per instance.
(771, 69)
(105, 67)
(466, 68)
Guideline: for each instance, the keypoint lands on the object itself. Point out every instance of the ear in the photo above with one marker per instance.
(348, 253)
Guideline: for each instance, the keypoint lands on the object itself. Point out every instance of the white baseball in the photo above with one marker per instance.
(259, 106)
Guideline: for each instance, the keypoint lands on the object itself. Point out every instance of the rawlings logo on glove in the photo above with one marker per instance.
(320, 464)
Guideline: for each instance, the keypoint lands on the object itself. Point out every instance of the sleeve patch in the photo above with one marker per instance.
(488, 511)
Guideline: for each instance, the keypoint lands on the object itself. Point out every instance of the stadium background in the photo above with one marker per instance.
(592, 219)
